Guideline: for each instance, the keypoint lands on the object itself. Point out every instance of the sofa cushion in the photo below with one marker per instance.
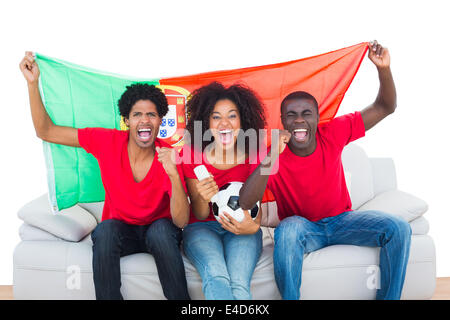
(70, 224)
(397, 202)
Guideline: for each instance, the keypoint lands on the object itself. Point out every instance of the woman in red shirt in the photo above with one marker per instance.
(224, 252)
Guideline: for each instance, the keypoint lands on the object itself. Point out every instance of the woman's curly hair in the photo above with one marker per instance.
(142, 91)
(201, 102)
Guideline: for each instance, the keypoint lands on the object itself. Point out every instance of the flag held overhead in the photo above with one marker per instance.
(80, 97)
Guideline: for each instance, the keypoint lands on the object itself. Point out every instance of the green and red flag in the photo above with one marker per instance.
(80, 97)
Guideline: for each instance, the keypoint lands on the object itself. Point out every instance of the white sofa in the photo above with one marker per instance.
(54, 258)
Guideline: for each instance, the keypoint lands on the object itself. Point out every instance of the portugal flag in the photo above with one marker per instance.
(80, 97)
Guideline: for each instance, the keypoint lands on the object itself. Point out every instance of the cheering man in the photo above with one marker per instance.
(309, 187)
(145, 201)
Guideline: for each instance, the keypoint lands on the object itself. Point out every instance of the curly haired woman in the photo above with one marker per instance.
(225, 253)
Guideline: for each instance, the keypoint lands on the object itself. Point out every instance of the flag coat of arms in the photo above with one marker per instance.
(81, 97)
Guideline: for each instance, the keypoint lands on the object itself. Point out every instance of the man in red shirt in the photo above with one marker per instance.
(145, 200)
(308, 183)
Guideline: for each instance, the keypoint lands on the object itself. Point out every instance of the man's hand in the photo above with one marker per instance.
(253, 189)
(386, 100)
(44, 126)
(283, 139)
(29, 68)
(379, 55)
(167, 158)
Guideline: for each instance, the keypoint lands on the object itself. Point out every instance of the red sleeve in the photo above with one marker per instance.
(94, 139)
(347, 128)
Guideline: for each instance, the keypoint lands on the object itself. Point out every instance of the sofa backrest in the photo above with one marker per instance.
(95, 208)
(358, 175)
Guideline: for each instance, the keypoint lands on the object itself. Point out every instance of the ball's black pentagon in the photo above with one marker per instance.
(233, 202)
(215, 209)
(254, 211)
(224, 186)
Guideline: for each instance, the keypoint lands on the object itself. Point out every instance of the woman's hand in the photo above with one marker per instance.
(246, 226)
(207, 188)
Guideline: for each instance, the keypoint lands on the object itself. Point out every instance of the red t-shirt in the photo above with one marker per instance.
(137, 203)
(314, 187)
(238, 173)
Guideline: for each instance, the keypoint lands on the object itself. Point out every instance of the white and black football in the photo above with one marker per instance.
(228, 201)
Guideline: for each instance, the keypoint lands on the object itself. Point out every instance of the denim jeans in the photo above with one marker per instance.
(114, 239)
(225, 261)
(296, 236)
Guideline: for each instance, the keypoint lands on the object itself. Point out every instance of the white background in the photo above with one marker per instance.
(169, 38)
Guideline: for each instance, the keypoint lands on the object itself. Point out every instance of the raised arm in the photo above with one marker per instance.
(253, 189)
(179, 205)
(44, 126)
(386, 100)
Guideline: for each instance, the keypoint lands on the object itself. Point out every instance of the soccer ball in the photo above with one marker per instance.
(228, 201)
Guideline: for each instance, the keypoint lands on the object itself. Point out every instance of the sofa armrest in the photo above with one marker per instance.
(398, 203)
(383, 173)
(71, 224)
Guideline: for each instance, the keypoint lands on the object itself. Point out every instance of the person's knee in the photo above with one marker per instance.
(162, 233)
(290, 231)
(105, 232)
(397, 227)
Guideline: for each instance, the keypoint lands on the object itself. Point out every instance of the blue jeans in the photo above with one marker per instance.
(113, 239)
(296, 236)
(225, 261)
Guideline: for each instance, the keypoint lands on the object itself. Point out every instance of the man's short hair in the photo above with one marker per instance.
(142, 91)
(300, 95)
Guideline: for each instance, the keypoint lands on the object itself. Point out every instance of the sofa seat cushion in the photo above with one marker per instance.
(42, 270)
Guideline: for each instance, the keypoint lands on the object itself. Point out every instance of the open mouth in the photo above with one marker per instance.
(144, 134)
(301, 135)
(226, 136)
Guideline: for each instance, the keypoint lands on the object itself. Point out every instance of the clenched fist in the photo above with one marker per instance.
(379, 55)
(283, 139)
(167, 157)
